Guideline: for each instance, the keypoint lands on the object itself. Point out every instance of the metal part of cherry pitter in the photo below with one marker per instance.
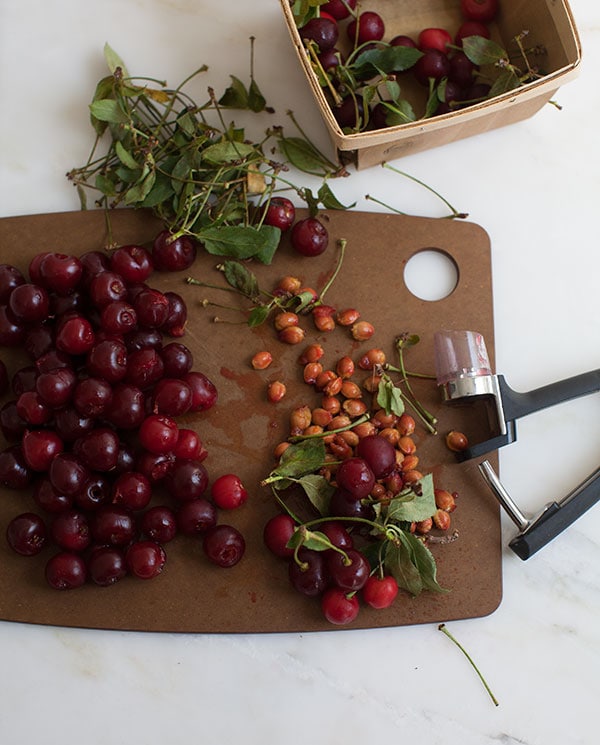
(464, 375)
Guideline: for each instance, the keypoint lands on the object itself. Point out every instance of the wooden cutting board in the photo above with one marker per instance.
(241, 431)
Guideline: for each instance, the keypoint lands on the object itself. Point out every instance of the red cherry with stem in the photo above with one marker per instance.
(338, 607)
(339, 9)
(349, 570)
(380, 592)
(369, 26)
(433, 65)
(173, 253)
(322, 31)
(228, 492)
(309, 237)
(309, 576)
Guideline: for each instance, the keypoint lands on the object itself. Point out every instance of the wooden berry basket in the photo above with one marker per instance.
(241, 431)
(549, 22)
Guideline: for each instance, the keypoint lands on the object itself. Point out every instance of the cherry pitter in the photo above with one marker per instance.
(465, 377)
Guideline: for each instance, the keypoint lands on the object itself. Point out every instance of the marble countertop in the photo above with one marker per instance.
(534, 187)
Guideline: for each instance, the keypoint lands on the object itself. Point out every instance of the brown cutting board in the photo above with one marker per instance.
(241, 431)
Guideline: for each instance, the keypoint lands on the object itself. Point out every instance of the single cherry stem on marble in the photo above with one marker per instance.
(442, 627)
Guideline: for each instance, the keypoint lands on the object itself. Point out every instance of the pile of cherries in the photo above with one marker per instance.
(367, 462)
(442, 63)
(92, 421)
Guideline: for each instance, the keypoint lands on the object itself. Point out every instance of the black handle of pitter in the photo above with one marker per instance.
(517, 405)
(557, 517)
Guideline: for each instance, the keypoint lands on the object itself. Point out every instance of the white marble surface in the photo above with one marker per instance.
(535, 189)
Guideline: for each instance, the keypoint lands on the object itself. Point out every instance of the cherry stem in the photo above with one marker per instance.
(426, 415)
(360, 420)
(442, 628)
(454, 212)
(342, 245)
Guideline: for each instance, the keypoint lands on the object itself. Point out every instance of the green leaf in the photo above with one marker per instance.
(304, 156)
(400, 112)
(114, 61)
(422, 558)
(241, 278)
(508, 80)
(316, 541)
(398, 562)
(329, 200)
(374, 62)
(236, 96)
(187, 123)
(136, 194)
(256, 100)
(125, 157)
(106, 185)
(304, 299)
(258, 315)
(225, 152)
(301, 458)
(318, 490)
(108, 110)
(241, 241)
(417, 509)
(393, 89)
(389, 397)
(271, 237)
(104, 90)
(433, 100)
(160, 192)
(483, 51)
(304, 10)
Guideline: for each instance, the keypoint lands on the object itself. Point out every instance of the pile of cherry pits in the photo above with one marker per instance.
(92, 424)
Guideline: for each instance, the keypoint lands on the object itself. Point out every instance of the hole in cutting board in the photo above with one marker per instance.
(431, 274)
